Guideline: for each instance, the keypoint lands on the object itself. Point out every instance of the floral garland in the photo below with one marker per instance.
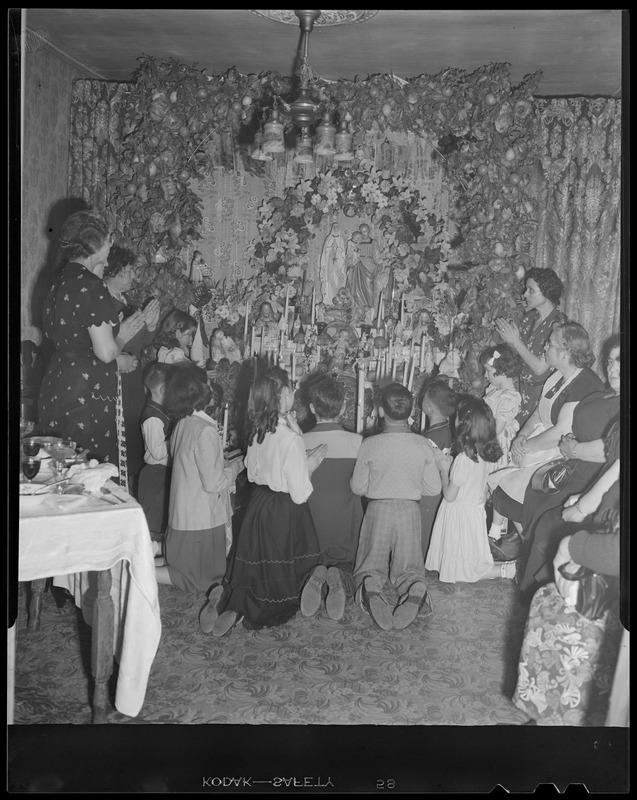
(416, 244)
(178, 124)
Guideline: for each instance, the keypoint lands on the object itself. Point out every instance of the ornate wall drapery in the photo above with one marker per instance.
(95, 141)
(579, 184)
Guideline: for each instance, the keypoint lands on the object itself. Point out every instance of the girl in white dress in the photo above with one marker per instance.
(459, 548)
(502, 367)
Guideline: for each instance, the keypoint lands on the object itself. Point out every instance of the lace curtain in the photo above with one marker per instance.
(578, 185)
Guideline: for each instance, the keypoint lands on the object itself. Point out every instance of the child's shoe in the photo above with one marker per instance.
(209, 613)
(410, 604)
(335, 601)
(508, 569)
(225, 623)
(377, 608)
(312, 593)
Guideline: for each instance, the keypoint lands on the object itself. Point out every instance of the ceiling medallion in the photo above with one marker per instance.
(327, 17)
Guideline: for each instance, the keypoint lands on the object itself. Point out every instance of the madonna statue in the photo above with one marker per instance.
(363, 261)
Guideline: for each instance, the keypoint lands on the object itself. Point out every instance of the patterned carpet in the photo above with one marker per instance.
(455, 667)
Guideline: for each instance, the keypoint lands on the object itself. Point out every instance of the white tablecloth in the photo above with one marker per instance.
(65, 536)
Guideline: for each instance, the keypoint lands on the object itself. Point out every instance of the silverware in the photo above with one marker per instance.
(109, 500)
(49, 485)
(115, 500)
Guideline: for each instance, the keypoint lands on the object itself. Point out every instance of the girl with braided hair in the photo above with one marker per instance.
(277, 547)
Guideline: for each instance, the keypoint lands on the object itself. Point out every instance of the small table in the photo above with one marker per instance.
(75, 536)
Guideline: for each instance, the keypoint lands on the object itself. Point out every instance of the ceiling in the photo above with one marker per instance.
(578, 51)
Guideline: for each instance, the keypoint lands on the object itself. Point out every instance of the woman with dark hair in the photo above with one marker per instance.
(587, 449)
(568, 353)
(199, 507)
(80, 394)
(542, 294)
(119, 277)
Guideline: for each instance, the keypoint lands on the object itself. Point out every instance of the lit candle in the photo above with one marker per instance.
(293, 368)
(281, 345)
(380, 310)
(423, 420)
(225, 426)
(245, 322)
(393, 369)
(422, 352)
(261, 341)
(360, 405)
(378, 363)
(412, 346)
(412, 371)
(287, 305)
(313, 304)
(252, 342)
(402, 307)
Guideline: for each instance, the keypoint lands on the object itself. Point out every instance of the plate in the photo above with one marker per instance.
(44, 441)
(27, 489)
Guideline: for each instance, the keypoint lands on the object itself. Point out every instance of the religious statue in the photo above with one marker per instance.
(332, 264)
(266, 323)
(222, 346)
(340, 351)
(364, 267)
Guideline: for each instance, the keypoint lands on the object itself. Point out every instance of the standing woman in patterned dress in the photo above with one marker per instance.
(542, 293)
(79, 398)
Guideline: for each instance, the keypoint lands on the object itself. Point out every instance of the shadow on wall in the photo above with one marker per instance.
(44, 279)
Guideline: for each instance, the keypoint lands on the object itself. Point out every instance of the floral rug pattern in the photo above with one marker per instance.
(457, 666)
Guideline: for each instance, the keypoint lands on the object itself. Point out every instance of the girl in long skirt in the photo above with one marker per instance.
(277, 547)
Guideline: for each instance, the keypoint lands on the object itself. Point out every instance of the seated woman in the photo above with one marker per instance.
(555, 686)
(595, 427)
(568, 352)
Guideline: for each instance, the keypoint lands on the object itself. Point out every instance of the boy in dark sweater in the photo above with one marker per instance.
(336, 511)
(154, 477)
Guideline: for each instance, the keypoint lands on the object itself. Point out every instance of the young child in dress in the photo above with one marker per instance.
(393, 470)
(277, 547)
(459, 548)
(199, 507)
(502, 367)
(438, 403)
(336, 511)
(175, 336)
(154, 477)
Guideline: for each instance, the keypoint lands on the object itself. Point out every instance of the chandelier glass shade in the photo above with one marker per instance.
(303, 112)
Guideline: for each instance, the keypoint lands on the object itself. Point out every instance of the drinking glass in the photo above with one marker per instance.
(61, 452)
(30, 448)
(30, 468)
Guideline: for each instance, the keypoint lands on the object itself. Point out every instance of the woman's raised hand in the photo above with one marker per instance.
(315, 456)
(151, 314)
(508, 331)
(131, 325)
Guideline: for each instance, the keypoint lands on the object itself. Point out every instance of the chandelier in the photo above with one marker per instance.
(304, 112)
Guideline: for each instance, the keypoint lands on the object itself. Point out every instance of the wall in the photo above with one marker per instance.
(47, 85)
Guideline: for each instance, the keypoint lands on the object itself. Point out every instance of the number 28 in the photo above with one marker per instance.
(390, 783)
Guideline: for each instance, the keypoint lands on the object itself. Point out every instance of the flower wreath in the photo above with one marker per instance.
(416, 241)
